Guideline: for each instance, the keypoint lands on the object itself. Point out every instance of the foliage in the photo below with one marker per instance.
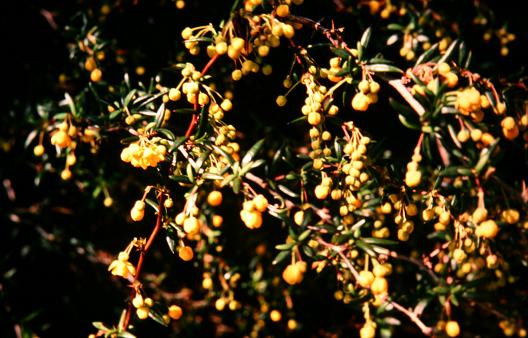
(291, 168)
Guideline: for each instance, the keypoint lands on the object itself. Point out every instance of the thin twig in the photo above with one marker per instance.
(407, 96)
(141, 258)
(416, 262)
(339, 251)
(194, 120)
(426, 330)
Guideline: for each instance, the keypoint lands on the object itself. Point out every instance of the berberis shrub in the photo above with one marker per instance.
(273, 168)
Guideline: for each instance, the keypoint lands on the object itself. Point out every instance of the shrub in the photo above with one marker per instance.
(291, 168)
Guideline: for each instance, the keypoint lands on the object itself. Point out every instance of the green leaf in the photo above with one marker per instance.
(366, 248)
(226, 155)
(401, 108)
(304, 235)
(365, 38)
(171, 243)
(395, 27)
(100, 326)
(180, 178)
(115, 114)
(252, 152)
(280, 257)
(97, 191)
(285, 246)
(454, 300)
(342, 53)
(379, 241)
(70, 103)
(236, 185)
(31, 136)
(455, 171)
(157, 316)
(485, 156)
(407, 123)
(212, 176)
(297, 120)
(462, 53)
(190, 172)
(126, 334)
(427, 55)
(167, 133)
(449, 52)
(160, 115)
(287, 191)
(129, 96)
(440, 290)
(307, 251)
(202, 123)
(177, 141)
(383, 68)
(343, 72)
(152, 203)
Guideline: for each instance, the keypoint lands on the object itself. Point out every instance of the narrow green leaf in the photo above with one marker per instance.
(427, 55)
(167, 133)
(366, 248)
(100, 326)
(285, 246)
(287, 191)
(379, 241)
(226, 155)
(172, 244)
(401, 108)
(365, 38)
(129, 96)
(152, 203)
(160, 115)
(252, 152)
(190, 172)
(202, 123)
(115, 114)
(211, 176)
(485, 157)
(407, 123)
(307, 251)
(462, 53)
(125, 334)
(280, 257)
(340, 52)
(304, 235)
(395, 27)
(383, 68)
(449, 52)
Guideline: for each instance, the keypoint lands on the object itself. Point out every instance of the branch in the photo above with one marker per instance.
(194, 120)
(426, 330)
(142, 254)
(398, 85)
(416, 262)
(339, 251)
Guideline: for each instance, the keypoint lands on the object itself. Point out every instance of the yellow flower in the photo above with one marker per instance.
(122, 267)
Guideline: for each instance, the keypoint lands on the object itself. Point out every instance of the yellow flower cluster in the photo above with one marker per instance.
(142, 306)
(367, 95)
(144, 154)
(470, 103)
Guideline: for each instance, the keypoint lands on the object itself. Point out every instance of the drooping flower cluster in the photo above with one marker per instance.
(144, 153)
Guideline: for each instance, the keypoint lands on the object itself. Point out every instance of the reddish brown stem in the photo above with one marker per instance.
(194, 120)
(141, 258)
